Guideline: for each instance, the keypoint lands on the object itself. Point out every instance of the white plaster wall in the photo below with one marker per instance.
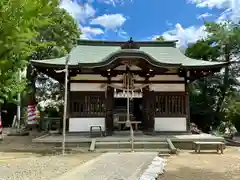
(166, 78)
(168, 87)
(83, 124)
(86, 87)
(88, 77)
(170, 124)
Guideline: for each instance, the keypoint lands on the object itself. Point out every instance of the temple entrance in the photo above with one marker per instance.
(138, 110)
(135, 113)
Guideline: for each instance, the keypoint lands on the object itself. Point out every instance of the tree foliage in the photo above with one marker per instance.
(30, 29)
(160, 38)
(232, 111)
(204, 50)
(20, 20)
(54, 40)
(209, 94)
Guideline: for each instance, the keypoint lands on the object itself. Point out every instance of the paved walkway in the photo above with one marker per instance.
(112, 166)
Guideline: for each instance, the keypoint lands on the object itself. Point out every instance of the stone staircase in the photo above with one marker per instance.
(163, 146)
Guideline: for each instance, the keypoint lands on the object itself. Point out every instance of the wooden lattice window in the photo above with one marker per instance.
(87, 104)
(170, 104)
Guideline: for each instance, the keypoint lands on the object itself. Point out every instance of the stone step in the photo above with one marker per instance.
(135, 139)
(127, 144)
(161, 152)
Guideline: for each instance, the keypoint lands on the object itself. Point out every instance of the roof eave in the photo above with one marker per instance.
(49, 65)
(119, 43)
(208, 66)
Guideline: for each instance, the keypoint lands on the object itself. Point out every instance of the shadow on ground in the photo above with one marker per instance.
(195, 173)
(23, 144)
(206, 152)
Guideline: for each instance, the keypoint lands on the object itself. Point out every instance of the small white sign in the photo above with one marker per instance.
(129, 94)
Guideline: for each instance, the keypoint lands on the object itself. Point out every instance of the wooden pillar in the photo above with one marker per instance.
(68, 105)
(187, 81)
(148, 109)
(144, 110)
(109, 110)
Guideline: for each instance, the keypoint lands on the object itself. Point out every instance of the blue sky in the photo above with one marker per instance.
(147, 19)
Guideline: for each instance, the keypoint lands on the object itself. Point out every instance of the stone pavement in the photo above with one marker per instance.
(112, 166)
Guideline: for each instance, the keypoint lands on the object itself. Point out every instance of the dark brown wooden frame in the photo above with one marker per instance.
(180, 107)
(83, 103)
(136, 82)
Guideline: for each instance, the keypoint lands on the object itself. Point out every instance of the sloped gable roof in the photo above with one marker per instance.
(100, 53)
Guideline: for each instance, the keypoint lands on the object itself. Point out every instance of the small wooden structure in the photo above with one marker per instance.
(219, 145)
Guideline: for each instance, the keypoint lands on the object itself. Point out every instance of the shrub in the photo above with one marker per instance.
(233, 114)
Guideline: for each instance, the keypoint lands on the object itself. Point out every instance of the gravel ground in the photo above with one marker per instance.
(41, 164)
(20, 167)
(185, 166)
(204, 166)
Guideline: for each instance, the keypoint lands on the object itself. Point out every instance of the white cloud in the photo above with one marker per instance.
(90, 33)
(203, 16)
(224, 15)
(211, 3)
(96, 31)
(123, 34)
(109, 21)
(85, 13)
(114, 2)
(185, 35)
(80, 12)
(235, 6)
(231, 8)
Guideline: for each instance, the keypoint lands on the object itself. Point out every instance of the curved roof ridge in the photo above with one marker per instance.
(119, 43)
(99, 55)
(131, 53)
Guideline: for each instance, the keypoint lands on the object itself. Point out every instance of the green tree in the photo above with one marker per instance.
(222, 43)
(160, 38)
(226, 35)
(19, 21)
(232, 111)
(204, 50)
(54, 40)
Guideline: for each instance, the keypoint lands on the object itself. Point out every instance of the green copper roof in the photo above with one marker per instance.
(100, 53)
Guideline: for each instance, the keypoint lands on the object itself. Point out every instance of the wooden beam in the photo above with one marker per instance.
(136, 82)
(187, 81)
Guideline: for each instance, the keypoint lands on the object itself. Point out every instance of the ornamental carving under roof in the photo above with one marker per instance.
(130, 45)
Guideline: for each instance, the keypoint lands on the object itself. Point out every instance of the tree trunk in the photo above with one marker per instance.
(31, 76)
(225, 82)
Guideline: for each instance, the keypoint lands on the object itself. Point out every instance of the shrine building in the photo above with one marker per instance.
(155, 76)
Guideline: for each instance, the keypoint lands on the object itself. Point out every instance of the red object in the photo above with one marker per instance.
(1, 128)
(31, 114)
